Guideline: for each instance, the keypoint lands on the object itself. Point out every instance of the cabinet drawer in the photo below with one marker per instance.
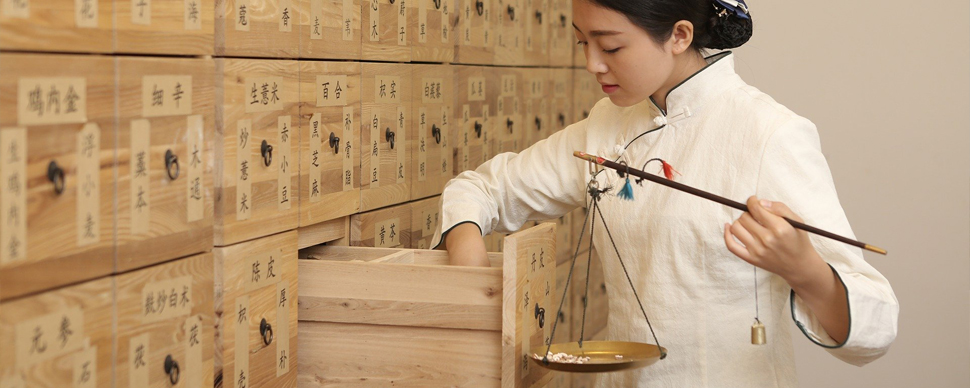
(165, 159)
(472, 108)
(165, 325)
(562, 39)
(258, 127)
(330, 29)
(510, 32)
(256, 312)
(474, 44)
(507, 117)
(57, 25)
(425, 216)
(369, 314)
(385, 228)
(61, 338)
(386, 108)
(174, 27)
(57, 135)
(536, 106)
(386, 30)
(330, 140)
(257, 28)
(432, 137)
(560, 93)
(536, 20)
(432, 35)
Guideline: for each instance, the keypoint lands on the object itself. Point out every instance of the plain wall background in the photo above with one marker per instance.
(888, 85)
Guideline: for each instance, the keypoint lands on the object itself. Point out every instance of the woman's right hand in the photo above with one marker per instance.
(466, 246)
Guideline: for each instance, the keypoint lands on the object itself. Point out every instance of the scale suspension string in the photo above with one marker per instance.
(716, 198)
(663, 353)
(545, 357)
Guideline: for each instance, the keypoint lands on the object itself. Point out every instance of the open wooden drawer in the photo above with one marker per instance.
(373, 317)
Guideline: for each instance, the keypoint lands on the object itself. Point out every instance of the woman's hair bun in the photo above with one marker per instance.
(728, 30)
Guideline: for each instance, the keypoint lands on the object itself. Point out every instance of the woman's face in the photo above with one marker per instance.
(629, 64)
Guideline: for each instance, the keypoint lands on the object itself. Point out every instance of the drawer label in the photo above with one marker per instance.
(330, 90)
(86, 13)
(347, 150)
(486, 145)
(316, 156)
(431, 91)
(193, 15)
(446, 21)
(284, 170)
(263, 94)
(387, 89)
(263, 269)
(387, 234)
(139, 356)
(242, 15)
(166, 299)
(48, 336)
(244, 183)
(282, 340)
(195, 145)
(18, 9)
(374, 11)
(402, 23)
(347, 25)
(286, 15)
(241, 351)
(89, 185)
(376, 135)
(42, 101)
(508, 85)
(316, 15)
(445, 148)
(141, 185)
(141, 12)
(423, 144)
(13, 204)
(422, 21)
(86, 368)
(400, 148)
(476, 89)
(193, 352)
(166, 95)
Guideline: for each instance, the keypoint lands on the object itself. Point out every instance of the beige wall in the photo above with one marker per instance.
(888, 84)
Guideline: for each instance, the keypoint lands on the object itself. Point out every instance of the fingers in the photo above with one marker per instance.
(736, 248)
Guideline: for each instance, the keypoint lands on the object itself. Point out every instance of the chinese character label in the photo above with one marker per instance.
(241, 350)
(86, 368)
(316, 156)
(402, 23)
(192, 370)
(401, 146)
(286, 16)
(347, 24)
(166, 95)
(316, 19)
(194, 148)
(387, 89)
(476, 88)
(264, 94)
(19, 9)
(140, 190)
(331, 90)
(141, 12)
(86, 13)
(42, 101)
(166, 299)
(423, 21)
(374, 149)
(283, 355)
(13, 203)
(423, 131)
(263, 269)
(242, 15)
(284, 171)
(48, 336)
(193, 15)
(387, 234)
(138, 357)
(374, 23)
(89, 185)
(244, 184)
(348, 151)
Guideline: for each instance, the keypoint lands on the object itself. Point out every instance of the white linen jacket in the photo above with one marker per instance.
(724, 137)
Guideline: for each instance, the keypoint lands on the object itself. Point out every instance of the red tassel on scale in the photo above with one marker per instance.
(669, 170)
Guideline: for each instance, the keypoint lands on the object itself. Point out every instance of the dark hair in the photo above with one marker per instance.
(713, 26)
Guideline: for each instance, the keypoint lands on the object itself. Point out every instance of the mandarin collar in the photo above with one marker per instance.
(691, 95)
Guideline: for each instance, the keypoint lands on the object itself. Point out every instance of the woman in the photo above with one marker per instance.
(691, 259)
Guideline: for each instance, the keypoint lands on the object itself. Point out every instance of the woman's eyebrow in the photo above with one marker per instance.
(598, 33)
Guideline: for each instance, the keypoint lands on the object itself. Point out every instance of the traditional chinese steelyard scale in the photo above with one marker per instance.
(608, 356)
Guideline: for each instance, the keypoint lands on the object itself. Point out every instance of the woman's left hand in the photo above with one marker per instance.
(771, 243)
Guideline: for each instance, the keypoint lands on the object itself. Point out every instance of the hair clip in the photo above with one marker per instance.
(738, 7)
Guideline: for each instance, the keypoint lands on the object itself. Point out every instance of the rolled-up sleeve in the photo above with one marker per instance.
(794, 171)
(542, 182)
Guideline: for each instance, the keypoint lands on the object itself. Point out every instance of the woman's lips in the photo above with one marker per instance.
(609, 89)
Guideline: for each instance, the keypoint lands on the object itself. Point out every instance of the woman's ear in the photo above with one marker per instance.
(681, 37)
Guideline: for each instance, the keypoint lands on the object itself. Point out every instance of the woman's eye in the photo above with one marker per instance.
(581, 43)
(612, 51)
